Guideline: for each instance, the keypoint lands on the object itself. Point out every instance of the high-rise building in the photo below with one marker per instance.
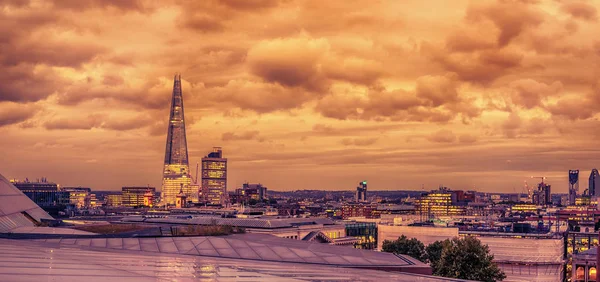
(361, 192)
(176, 176)
(214, 177)
(573, 185)
(594, 183)
(543, 195)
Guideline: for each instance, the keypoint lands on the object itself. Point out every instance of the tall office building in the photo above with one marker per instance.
(573, 185)
(176, 176)
(214, 177)
(361, 192)
(594, 183)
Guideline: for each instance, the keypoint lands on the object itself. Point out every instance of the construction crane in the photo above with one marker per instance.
(540, 177)
(528, 190)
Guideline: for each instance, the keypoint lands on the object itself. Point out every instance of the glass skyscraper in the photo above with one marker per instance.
(176, 176)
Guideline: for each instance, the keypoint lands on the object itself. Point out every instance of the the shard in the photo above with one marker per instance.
(176, 176)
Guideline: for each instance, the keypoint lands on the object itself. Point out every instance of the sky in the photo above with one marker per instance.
(304, 94)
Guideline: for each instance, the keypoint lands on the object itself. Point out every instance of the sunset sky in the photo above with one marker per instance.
(303, 94)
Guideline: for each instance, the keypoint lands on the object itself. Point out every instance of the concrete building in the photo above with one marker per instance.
(214, 178)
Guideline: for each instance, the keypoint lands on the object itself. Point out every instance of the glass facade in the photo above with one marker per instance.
(577, 242)
(366, 232)
(134, 196)
(176, 170)
(214, 177)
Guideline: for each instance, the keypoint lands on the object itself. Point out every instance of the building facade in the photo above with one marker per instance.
(214, 178)
(573, 185)
(249, 192)
(79, 197)
(176, 176)
(365, 232)
(359, 210)
(361, 192)
(594, 183)
(134, 196)
(45, 194)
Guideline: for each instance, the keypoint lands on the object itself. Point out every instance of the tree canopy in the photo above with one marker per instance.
(462, 258)
(411, 247)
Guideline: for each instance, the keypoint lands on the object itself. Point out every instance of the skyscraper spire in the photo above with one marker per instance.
(176, 150)
(176, 169)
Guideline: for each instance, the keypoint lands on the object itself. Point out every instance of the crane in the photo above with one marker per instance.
(541, 177)
(529, 191)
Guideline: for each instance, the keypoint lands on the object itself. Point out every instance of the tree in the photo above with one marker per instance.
(434, 253)
(464, 258)
(403, 245)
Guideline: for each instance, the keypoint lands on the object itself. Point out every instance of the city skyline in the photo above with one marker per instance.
(476, 95)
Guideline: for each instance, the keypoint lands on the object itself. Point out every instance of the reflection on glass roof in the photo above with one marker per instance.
(24, 260)
(248, 246)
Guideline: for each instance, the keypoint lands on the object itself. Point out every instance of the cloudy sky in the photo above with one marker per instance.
(303, 94)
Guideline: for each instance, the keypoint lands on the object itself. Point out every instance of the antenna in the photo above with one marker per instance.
(196, 177)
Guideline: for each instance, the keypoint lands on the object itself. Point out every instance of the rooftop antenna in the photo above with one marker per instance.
(196, 177)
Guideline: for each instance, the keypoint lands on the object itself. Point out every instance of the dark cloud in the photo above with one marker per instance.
(359, 141)
(203, 22)
(250, 95)
(529, 93)
(80, 5)
(581, 10)
(510, 17)
(86, 123)
(463, 42)
(25, 83)
(112, 80)
(12, 113)
(250, 5)
(438, 90)
(245, 135)
(574, 108)
(290, 62)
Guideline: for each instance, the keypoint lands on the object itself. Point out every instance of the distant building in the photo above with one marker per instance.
(247, 192)
(113, 199)
(543, 195)
(573, 185)
(365, 232)
(359, 210)
(361, 192)
(214, 177)
(134, 196)
(176, 167)
(79, 197)
(594, 183)
(45, 194)
(440, 202)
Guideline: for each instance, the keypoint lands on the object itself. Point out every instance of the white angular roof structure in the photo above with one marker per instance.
(16, 209)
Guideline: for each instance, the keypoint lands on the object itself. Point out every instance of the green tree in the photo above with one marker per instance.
(464, 258)
(434, 253)
(403, 245)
